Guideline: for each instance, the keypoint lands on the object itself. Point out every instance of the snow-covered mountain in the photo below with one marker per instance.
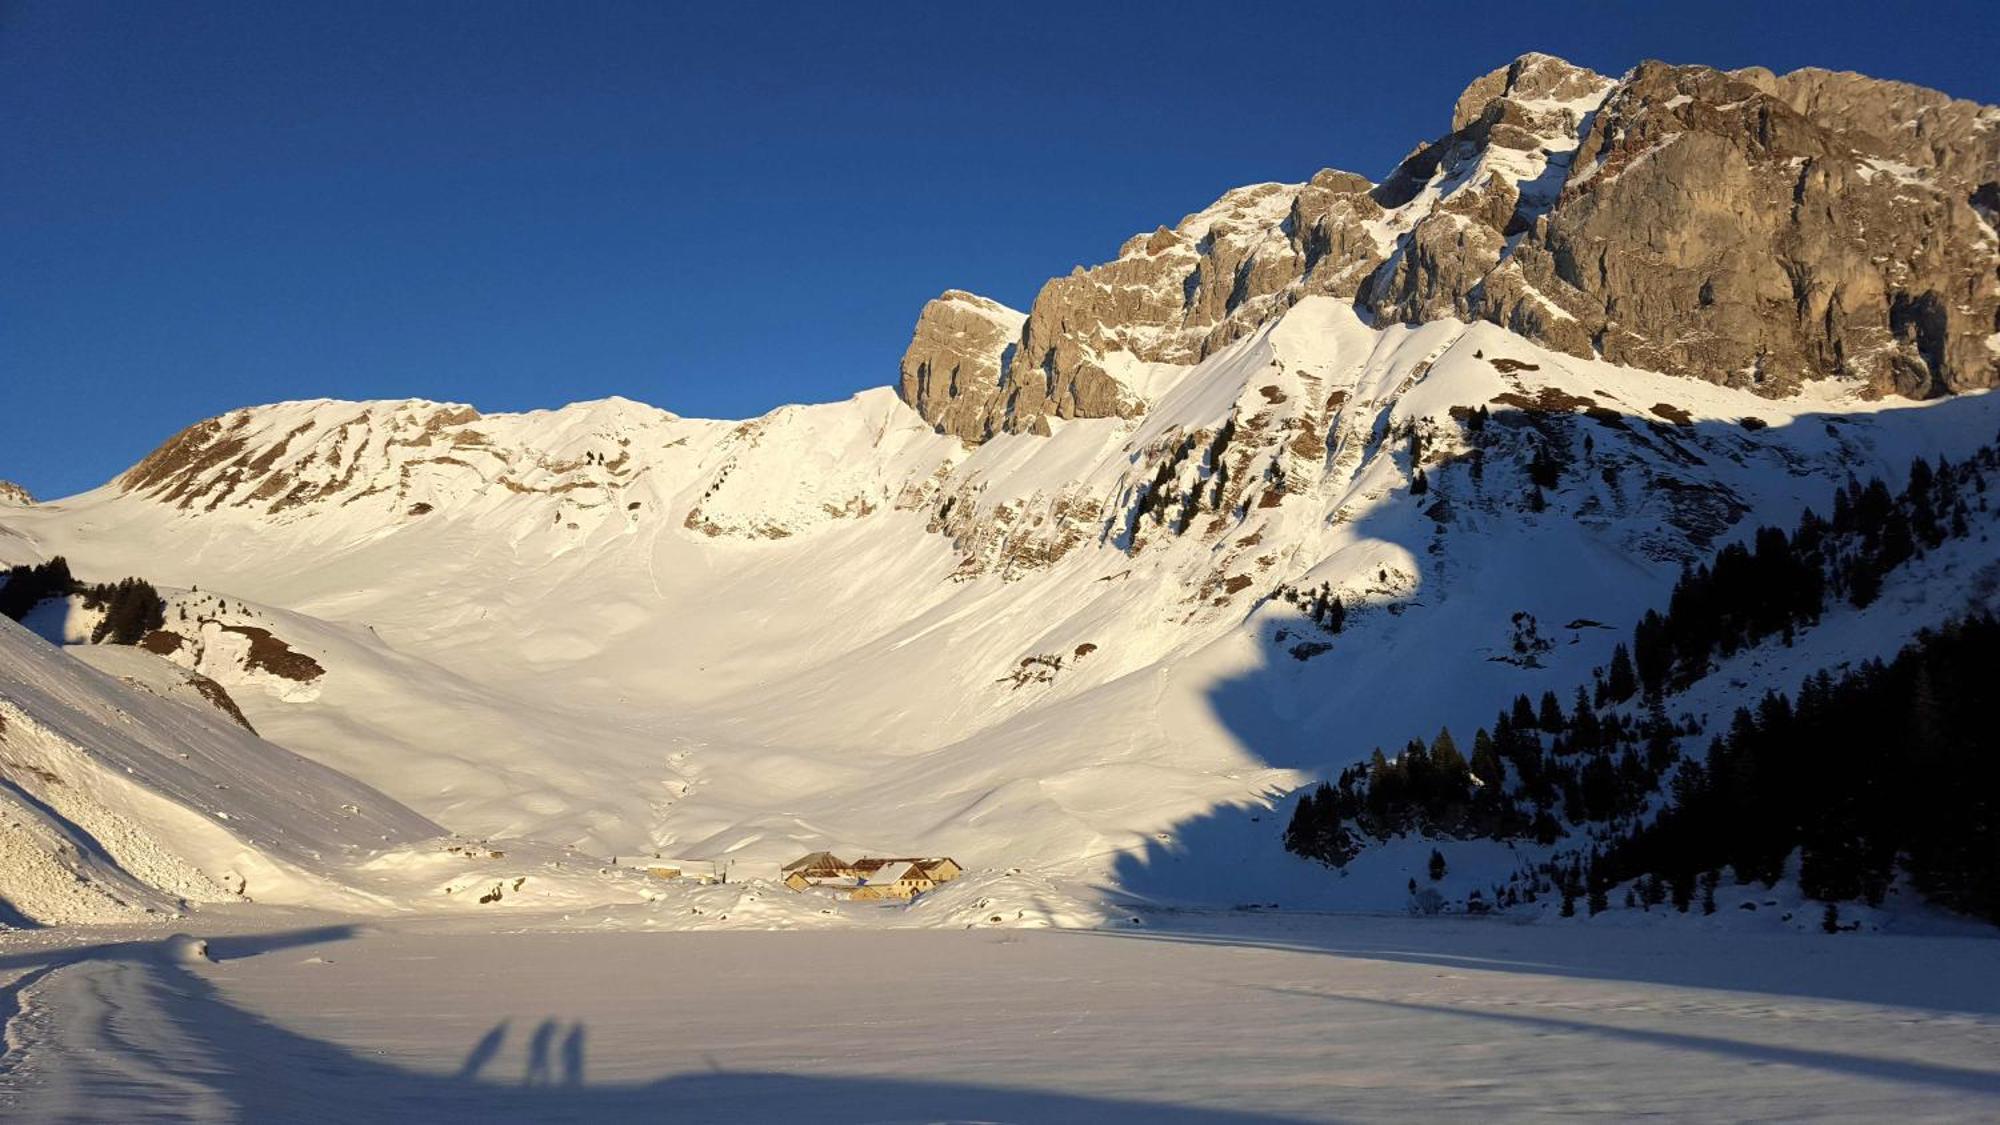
(1060, 595)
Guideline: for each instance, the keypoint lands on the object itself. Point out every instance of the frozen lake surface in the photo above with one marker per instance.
(1186, 1018)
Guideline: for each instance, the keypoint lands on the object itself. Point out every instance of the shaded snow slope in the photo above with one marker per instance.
(611, 627)
(1235, 854)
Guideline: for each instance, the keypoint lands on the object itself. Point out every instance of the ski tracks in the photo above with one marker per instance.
(106, 1039)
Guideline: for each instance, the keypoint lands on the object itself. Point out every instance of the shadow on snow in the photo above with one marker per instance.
(265, 1072)
(1441, 656)
(1857, 968)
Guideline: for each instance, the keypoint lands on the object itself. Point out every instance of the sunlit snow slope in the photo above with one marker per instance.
(113, 800)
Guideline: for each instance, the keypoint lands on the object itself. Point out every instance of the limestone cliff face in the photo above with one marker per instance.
(1170, 297)
(1921, 127)
(1743, 228)
(1466, 201)
(951, 370)
(1710, 229)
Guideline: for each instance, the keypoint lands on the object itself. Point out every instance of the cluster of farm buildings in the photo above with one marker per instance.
(870, 877)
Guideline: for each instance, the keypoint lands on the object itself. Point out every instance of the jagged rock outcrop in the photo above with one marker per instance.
(1467, 199)
(951, 370)
(11, 493)
(1168, 297)
(1743, 228)
(1710, 229)
(1532, 82)
(1919, 126)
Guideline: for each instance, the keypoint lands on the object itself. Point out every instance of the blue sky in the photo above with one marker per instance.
(715, 209)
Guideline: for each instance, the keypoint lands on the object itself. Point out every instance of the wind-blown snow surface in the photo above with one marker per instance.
(1310, 1019)
(610, 627)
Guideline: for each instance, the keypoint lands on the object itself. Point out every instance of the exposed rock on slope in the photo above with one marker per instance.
(1920, 126)
(609, 467)
(1710, 229)
(951, 371)
(1170, 299)
(11, 493)
(1744, 228)
(147, 671)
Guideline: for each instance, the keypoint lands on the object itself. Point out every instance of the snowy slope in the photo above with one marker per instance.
(160, 794)
(611, 627)
(125, 791)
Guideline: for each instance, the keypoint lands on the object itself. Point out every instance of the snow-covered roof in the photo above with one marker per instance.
(816, 860)
(898, 872)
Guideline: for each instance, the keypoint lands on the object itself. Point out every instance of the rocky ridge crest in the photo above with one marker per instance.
(1743, 228)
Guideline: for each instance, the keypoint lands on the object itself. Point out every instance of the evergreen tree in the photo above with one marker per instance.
(28, 586)
(1543, 469)
(1486, 764)
(1299, 832)
(1623, 681)
(1885, 765)
(1551, 719)
(132, 608)
(1436, 866)
(1524, 714)
(1446, 759)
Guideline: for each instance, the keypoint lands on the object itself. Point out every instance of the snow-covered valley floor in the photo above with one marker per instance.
(1188, 1017)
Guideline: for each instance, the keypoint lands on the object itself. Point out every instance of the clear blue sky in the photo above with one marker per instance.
(715, 209)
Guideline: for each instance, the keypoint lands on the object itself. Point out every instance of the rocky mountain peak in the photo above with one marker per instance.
(286, 454)
(1742, 228)
(1533, 80)
(11, 493)
(1709, 228)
